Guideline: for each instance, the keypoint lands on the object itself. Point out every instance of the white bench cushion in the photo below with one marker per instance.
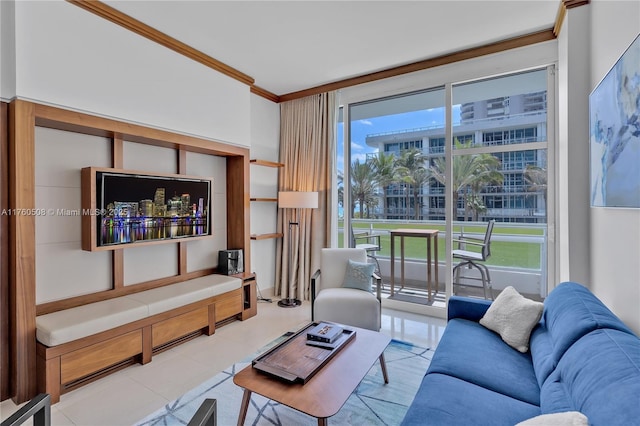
(173, 296)
(75, 323)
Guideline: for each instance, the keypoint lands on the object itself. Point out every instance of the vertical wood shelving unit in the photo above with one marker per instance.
(265, 163)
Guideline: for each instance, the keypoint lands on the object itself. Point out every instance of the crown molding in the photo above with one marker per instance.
(461, 55)
(140, 28)
(265, 93)
(562, 11)
(113, 15)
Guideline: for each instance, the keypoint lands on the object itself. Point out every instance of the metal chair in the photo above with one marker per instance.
(369, 243)
(474, 259)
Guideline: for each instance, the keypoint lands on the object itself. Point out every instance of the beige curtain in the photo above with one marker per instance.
(307, 141)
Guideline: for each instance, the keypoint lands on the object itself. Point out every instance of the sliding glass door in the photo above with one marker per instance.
(480, 147)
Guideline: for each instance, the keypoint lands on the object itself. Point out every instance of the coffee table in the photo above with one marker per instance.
(327, 391)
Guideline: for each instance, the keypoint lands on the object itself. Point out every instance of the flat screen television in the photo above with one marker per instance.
(131, 207)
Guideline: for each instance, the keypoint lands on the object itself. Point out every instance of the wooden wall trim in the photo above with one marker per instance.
(562, 12)
(140, 28)
(5, 341)
(22, 249)
(265, 94)
(56, 118)
(487, 49)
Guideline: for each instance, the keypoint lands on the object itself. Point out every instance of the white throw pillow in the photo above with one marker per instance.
(513, 317)
(358, 275)
(569, 418)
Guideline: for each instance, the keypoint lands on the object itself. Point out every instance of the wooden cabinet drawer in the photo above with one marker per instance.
(229, 306)
(82, 362)
(181, 325)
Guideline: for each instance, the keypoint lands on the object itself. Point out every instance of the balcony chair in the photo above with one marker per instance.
(331, 301)
(475, 258)
(370, 243)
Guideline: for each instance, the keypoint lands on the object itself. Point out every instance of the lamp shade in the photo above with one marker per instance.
(297, 200)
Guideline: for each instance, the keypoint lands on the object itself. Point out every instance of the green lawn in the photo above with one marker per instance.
(503, 253)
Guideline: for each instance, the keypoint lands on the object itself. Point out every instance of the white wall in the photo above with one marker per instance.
(572, 231)
(265, 134)
(69, 57)
(7, 51)
(615, 233)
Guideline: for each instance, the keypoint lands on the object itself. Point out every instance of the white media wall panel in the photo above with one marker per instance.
(63, 269)
(203, 254)
(69, 57)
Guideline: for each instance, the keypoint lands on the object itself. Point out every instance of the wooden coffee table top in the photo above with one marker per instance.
(328, 390)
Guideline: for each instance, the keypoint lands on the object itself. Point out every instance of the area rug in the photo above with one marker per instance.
(372, 403)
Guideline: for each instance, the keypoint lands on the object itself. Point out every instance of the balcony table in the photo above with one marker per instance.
(431, 236)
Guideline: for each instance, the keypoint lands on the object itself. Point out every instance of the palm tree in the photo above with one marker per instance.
(362, 185)
(536, 180)
(488, 174)
(469, 172)
(384, 168)
(410, 169)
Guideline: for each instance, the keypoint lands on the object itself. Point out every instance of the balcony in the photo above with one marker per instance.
(518, 258)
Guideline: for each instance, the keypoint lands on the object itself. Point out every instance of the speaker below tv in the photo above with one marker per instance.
(230, 262)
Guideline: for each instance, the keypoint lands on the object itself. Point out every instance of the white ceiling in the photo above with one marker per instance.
(288, 46)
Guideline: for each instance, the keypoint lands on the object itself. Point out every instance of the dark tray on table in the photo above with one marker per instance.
(295, 361)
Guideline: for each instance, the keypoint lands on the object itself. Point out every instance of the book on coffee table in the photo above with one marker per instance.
(325, 333)
(329, 345)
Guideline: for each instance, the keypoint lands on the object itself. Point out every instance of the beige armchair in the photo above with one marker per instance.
(330, 301)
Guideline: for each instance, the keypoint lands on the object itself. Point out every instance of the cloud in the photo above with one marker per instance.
(365, 122)
(356, 146)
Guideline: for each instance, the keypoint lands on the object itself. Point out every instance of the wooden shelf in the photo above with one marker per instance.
(266, 163)
(274, 200)
(265, 236)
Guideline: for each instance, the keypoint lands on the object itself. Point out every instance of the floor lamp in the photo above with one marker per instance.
(294, 200)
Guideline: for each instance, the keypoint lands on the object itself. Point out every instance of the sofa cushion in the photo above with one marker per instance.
(75, 323)
(599, 376)
(449, 401)
(477, 355)
(513, 317)
(570, 312)
(173, 296)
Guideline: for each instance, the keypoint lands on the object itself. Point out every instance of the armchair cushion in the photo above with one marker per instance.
(513, 317)
(348, 306)
(358, 275)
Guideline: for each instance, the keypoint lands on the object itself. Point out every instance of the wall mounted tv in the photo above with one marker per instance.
(122, 207)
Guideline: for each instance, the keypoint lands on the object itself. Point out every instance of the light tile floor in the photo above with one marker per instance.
(132, 393)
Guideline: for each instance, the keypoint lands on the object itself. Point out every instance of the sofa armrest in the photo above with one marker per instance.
(467, 308)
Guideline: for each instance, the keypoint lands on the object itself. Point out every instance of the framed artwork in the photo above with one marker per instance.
(614, 121)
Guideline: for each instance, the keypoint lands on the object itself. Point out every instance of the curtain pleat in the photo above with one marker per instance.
(307, 141)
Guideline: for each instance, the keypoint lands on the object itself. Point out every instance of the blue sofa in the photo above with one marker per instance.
(581, 358)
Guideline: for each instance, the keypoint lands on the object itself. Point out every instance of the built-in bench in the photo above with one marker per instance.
(83, 343)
